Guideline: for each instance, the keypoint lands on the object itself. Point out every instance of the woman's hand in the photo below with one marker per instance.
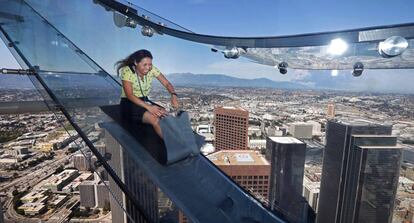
(157, 111)
(174, 101)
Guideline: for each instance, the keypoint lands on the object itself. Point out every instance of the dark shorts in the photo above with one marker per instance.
(131, 111)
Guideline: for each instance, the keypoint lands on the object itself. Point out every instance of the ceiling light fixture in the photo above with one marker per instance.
(392, 46)
(337, 47)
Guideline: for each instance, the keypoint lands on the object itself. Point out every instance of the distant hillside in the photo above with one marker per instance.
(15, 82)
(219, 80)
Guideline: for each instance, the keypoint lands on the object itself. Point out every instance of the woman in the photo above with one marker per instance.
(137, 74)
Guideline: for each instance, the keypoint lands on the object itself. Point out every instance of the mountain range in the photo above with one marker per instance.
(221, 80)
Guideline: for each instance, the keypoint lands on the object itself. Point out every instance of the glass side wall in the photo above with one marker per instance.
(120, 42)
(39, 147)
(300, 159)
(81, 87)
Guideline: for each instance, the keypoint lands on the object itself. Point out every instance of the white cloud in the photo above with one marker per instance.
(310, 84)
(298, 75)
(385, 80)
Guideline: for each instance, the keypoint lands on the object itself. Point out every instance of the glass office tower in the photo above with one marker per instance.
(287, 158)
(360, 173)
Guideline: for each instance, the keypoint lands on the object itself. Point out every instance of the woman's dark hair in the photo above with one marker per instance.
(130, 60)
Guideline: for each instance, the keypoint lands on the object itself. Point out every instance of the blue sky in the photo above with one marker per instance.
(276, 17)
(270, 18)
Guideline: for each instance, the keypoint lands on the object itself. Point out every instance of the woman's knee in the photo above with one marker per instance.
(150, 119)
(156, 121)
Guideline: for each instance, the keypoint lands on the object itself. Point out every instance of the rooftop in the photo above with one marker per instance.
(237, 157)
(286, 140)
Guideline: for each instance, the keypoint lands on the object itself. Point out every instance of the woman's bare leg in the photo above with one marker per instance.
(149, 118)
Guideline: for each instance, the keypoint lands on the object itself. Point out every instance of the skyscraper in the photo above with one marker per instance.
(231, 128)
(140, 186)
(360, 173)
(331, 110)
(287, 159)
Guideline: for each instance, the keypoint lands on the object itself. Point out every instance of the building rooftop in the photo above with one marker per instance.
(376, 136)
(34, 195)
(311, 185)
(286, 140)
(380, 147)
(405, 180)
(89, 182)
(83, 176)
(59, 178)
(301, 124)
(57, 199)
(237, 157)
(32, 207)
(357, 122)
(232, 108)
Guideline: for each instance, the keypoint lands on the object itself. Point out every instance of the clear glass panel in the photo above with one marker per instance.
(154, 18)
(82, 92)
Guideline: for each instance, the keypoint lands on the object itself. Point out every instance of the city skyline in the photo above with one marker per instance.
(275, 21)
(266, 108)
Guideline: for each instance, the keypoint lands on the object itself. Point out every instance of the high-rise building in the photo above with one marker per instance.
(287, 159)
(82, 162)
(102, 194)
(301, 130)
(87, 194)
(330, 113)
(246, 167)
(140, 186)
(231, 128)
(361, 164)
